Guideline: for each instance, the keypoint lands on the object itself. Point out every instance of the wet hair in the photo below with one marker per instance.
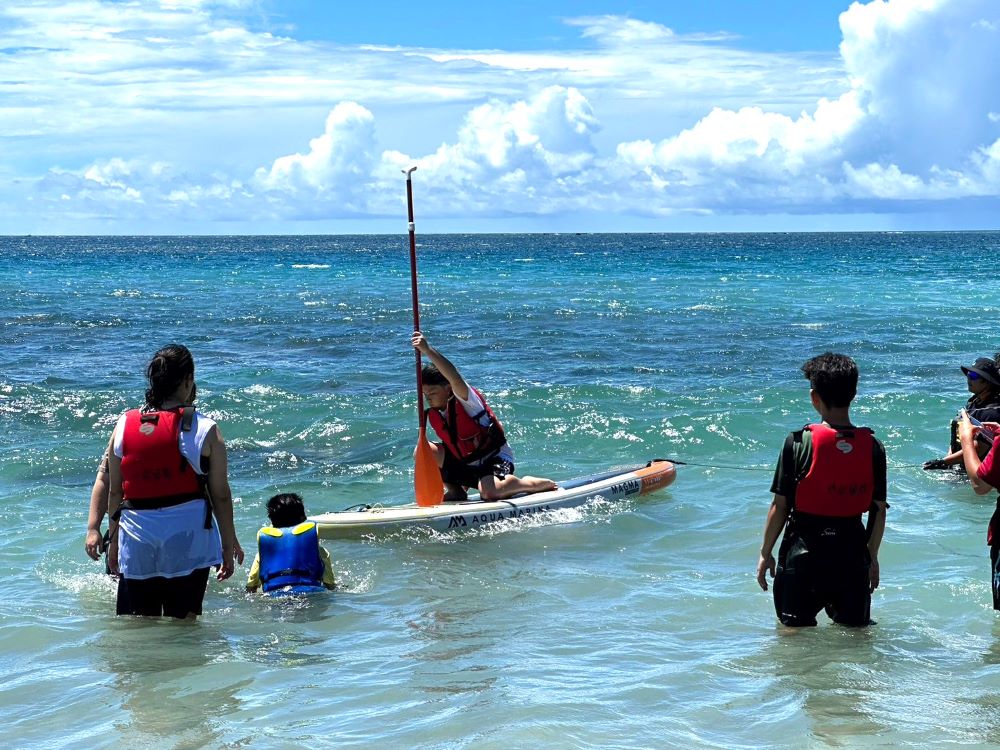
(168, 368)
(286, 509)
(834, 377)
(431, 375)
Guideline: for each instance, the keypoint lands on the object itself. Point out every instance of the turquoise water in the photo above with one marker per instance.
(636, 625)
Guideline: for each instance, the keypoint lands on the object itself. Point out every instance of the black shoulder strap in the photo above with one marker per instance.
(789, 480)
(450, 421)
(186, 414)
(186, 424)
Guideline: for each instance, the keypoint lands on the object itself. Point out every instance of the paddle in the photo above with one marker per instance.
(426, 476)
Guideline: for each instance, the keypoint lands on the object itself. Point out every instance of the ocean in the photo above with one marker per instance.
(618, 625)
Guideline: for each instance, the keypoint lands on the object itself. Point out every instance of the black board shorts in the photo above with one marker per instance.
(168, 597)
(466, 475)
(815, 575)
(993, 537)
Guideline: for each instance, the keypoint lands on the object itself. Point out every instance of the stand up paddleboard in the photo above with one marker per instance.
(472, 513)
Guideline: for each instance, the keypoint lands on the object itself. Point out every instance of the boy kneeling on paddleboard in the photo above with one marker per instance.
(473, 451)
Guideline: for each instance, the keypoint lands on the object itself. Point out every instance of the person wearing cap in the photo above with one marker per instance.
(983, 379)
(985, 477)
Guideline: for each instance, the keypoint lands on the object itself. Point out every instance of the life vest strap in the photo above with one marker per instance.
(287, 572)
(186, 424)
(495, 437)
(155, 503)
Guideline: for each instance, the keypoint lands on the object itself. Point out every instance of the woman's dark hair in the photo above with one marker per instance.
(286, 509)
(165, 372)
(430, 375)
(834, 377)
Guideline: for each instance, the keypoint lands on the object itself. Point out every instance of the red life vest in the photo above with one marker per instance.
(462, 434)
(841, 479)
(154, 471)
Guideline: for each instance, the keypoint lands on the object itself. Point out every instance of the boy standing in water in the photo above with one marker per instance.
(474, 450)
(829, 474)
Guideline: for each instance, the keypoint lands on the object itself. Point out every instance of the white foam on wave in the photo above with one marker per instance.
(311, 266)
(626, 436)
(282, 460)
(259, 389)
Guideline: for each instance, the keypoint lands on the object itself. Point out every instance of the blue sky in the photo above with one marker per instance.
(538, 24)
(288, 116)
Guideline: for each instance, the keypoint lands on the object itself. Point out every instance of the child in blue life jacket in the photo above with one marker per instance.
(289, 556)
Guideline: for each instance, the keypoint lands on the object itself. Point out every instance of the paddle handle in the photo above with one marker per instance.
(413, 294)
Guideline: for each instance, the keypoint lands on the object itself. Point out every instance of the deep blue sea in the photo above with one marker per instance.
(632, 625)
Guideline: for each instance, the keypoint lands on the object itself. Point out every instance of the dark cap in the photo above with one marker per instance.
(985, 368)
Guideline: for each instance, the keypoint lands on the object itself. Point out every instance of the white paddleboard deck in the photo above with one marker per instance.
(611, 485)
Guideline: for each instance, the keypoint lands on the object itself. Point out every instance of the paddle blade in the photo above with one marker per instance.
(427, 476)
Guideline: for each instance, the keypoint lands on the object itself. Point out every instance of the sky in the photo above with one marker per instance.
(297, 116)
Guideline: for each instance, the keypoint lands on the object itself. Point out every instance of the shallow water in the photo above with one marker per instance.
(632, 625)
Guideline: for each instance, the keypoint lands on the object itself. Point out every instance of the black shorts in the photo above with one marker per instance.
(468, 475)
(993, 539)
(995, 574)
(823, 573)
(170, 597)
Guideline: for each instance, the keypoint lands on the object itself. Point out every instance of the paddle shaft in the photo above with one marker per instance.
(413, 293)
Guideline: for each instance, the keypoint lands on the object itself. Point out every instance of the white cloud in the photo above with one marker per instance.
(617, 30)
(924, 80)
(338, 166)
(909, 114)
(505, 155)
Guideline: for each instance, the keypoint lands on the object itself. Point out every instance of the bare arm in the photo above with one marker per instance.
(115, 494)
(777, 514)
(875, 531)
(222, 499)
(953, 458)
(967, 436)
(458, 385)
(98, 508)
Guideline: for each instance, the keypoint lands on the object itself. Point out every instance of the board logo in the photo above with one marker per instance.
(626, 488)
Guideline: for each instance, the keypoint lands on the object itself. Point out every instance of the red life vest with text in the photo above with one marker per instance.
(841, 478)
(154, 471)
(462, 434)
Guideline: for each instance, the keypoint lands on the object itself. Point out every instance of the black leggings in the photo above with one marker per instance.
(169, 597)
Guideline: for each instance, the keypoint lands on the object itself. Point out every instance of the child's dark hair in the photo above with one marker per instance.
(286, 509)
(834, 377)
(431, 375)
